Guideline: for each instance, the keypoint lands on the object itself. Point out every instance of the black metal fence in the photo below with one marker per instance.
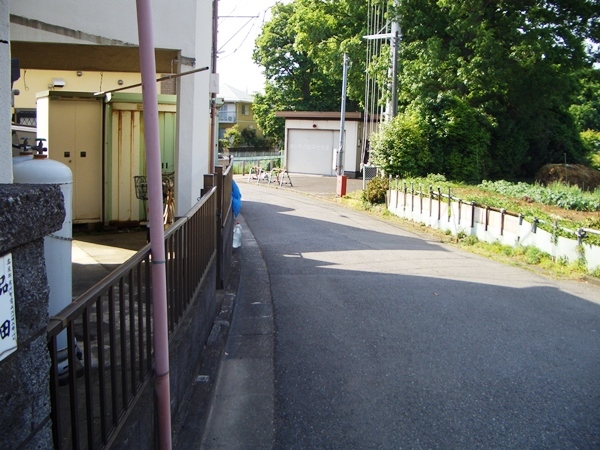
(99, 377)
(222, 179)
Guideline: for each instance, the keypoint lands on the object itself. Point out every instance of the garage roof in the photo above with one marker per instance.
(318, 115)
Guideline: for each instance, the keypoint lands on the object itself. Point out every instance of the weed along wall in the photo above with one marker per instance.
(443, 212)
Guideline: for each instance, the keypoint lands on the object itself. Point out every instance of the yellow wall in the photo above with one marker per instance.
(246, 120)
(243, 121)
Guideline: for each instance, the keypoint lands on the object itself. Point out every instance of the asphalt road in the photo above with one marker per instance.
(387, 339)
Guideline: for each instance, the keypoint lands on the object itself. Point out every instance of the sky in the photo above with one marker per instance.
(237, 34)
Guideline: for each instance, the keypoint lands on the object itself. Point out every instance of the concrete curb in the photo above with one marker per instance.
(231, 404)
(242, 413)
(190, 425)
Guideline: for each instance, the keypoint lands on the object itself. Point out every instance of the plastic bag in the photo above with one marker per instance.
(236, 199)
(237, 235)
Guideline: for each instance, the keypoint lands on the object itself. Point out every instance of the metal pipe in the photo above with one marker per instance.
(213, 95)
(166, 77)
(340, 156)
(157, 232)
(395, 43)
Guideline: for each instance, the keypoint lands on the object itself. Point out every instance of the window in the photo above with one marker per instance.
(227, 113)
(245, 110)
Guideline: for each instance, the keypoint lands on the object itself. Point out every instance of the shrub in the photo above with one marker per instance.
(376, 190)
(533, 255)
(470, 240)
(232, 138)
(250, 138)
(401, 148)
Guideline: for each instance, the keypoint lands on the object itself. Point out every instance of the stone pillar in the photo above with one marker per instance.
(27, 214)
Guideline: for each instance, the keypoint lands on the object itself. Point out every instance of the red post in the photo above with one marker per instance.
(341, 185)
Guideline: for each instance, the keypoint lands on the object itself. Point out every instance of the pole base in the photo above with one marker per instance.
(341, 185)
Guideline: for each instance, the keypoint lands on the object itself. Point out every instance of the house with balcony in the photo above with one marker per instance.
(236, 109)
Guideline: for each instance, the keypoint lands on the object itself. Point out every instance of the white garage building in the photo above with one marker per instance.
(312, 139)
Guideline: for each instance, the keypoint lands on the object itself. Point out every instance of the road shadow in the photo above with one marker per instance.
(386, 340)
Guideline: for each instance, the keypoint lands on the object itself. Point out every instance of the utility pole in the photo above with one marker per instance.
(393, 109)
(341, 179)
(340, 155)
(394, 35)
(214, 86)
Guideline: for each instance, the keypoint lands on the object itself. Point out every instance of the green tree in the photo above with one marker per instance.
(512, 66)
(493, 86)
(301, 50)
(591, 141)
(586, 108)
(460, 140)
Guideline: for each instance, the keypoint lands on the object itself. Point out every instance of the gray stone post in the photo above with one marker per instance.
(27, 214)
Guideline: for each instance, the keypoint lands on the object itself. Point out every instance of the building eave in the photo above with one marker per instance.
(318, 115)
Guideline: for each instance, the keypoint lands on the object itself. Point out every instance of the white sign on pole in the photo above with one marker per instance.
(8, 317)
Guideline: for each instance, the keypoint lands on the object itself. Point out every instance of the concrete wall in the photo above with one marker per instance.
(24, 390)
(487, 225)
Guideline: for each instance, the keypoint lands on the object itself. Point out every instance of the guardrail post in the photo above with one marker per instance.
(439, 192)
(487, 217)
(430, 199)
(449, 205)
(581, 234)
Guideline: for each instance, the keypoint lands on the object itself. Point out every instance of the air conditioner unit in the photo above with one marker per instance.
(229, 118)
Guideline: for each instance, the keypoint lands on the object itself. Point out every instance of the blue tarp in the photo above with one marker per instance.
(236, 200)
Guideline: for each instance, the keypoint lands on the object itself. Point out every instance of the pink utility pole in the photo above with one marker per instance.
(157, 232)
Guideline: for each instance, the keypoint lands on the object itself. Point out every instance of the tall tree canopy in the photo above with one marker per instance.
(489, 84)
(512, 64)
(301, 52)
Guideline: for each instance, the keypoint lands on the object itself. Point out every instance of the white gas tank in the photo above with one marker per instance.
(57, 246)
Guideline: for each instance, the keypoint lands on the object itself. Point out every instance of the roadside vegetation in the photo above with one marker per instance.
(517, 197)
(486, 90)
(489, 90)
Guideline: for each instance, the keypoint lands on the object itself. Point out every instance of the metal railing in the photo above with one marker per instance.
(243, 164)
(110, 359)
(227, 116)
(222, 179)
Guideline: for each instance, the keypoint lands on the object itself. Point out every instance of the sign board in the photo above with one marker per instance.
(8, 320)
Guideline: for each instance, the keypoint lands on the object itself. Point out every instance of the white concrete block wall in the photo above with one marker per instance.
(514, 232)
